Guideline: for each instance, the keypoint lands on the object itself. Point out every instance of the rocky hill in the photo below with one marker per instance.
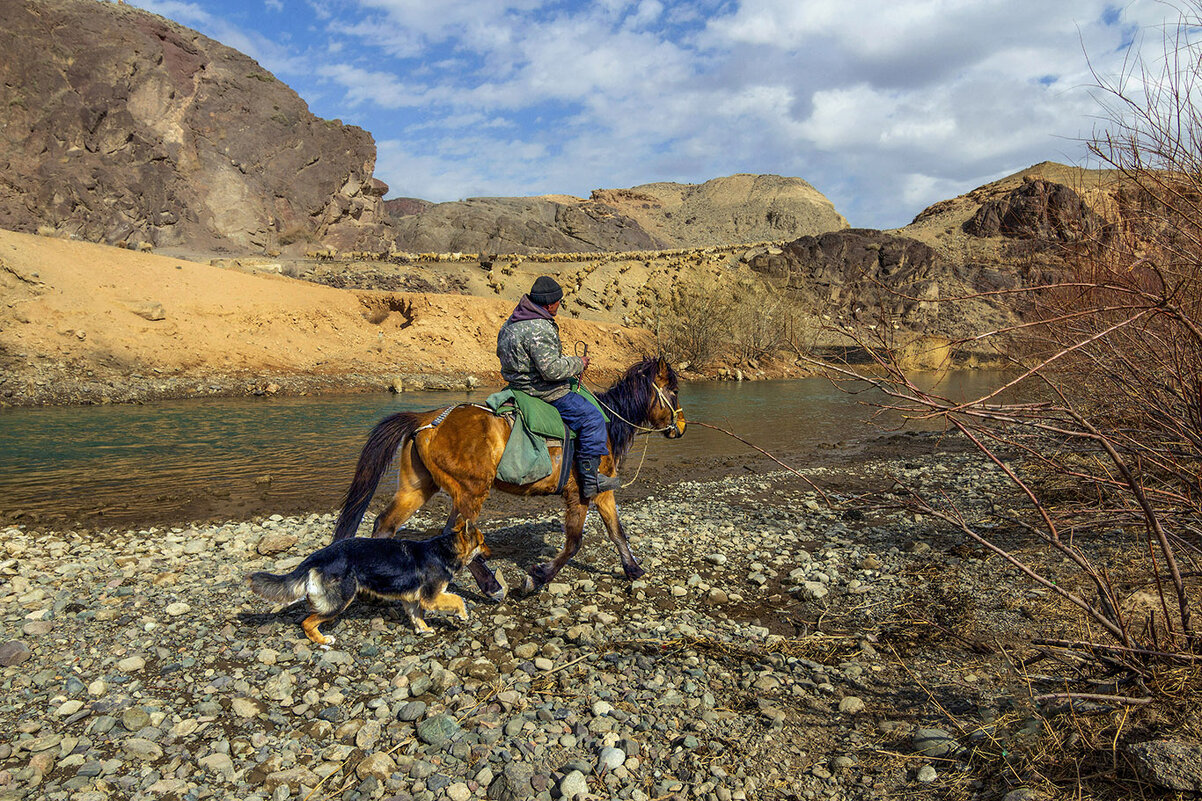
(1048, 203)
(723, 211)
(120, 126)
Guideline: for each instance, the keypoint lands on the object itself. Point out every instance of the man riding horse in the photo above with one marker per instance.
(532, 361)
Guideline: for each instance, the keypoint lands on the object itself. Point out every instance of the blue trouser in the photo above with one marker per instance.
(586, 420)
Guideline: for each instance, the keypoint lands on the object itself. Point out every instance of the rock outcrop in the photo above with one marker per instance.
(724, 211)
(1039, 210)
(123, 127)
(855, 270)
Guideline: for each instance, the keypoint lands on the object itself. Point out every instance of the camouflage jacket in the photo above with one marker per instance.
(531, 356)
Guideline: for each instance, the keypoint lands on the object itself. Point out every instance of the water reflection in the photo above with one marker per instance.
(184, 460)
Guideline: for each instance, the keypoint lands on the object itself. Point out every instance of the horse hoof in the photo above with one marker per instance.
(634, 573)
(502, 590)
(528, 586)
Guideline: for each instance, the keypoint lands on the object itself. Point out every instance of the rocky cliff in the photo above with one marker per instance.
(723, 211)
(119, 126)
(1004, 235)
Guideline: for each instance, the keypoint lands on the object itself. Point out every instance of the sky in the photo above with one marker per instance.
(884, 106)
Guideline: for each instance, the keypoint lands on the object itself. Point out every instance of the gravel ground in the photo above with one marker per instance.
(777, 648)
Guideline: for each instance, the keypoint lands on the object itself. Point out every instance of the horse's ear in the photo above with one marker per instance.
(661, 366)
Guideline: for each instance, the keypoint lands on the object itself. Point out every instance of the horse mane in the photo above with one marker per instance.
(630, 398)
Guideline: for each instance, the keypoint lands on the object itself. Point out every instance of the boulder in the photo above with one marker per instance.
(1039, 210)
(1170, 764)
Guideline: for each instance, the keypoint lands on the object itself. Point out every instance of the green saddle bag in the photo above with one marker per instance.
(526, 458)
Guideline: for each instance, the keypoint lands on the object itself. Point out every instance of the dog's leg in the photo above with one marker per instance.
(414, 610)
(327, 600)
(447, 602)
(310, 625)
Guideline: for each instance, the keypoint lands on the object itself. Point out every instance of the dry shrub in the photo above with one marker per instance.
(1105, 441)
(738, 320)
(694, 325)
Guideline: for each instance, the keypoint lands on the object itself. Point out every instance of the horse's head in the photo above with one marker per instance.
(665, 411)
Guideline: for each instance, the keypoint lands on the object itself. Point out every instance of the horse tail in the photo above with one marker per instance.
(388, 435)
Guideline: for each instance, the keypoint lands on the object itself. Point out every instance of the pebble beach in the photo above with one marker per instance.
(746, 664)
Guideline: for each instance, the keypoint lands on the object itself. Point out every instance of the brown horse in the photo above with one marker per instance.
(458, 450)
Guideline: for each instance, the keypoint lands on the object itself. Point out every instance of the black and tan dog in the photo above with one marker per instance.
(414, 573)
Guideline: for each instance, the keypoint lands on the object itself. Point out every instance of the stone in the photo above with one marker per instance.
(1170, 764)
(934, 742)
(37, 628)
(246, 707)
(292, 778)
(131, 664)
(851, 705)
(368, 735)
(45, 743)
(411, 711)
(437, 730)
(814, 590)
(926, 774)
(270, 544)
(1021, 794)
(610, 758)
(135, 719)
(178, 608)
(572, 785)
(148, 310)
(14, 652)
(420, 684)
(377, 764)
(141, 748)
(279, 687)
(220, 764)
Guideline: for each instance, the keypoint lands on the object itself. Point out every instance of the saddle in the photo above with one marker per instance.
(534, 421)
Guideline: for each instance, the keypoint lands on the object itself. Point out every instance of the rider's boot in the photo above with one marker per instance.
(593, 483)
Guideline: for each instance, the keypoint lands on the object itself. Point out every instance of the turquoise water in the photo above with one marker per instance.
(230, 458)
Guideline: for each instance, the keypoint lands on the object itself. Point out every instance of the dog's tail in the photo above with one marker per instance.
(388, 435)
(284, 588)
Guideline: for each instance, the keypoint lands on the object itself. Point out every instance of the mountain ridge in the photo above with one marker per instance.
(743, 208)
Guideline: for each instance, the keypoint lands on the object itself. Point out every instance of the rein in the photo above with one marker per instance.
(663, 400)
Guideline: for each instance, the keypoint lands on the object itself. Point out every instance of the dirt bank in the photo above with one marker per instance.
(86, 323)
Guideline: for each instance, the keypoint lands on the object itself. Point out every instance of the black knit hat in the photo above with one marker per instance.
(545, 291)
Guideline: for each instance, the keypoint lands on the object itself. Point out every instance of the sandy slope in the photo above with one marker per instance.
(84, 322)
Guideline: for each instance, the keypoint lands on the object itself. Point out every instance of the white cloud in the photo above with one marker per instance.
(880, 105)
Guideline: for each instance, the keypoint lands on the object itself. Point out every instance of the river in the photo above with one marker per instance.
(172, 462)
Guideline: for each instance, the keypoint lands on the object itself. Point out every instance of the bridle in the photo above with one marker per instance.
(662, 399)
